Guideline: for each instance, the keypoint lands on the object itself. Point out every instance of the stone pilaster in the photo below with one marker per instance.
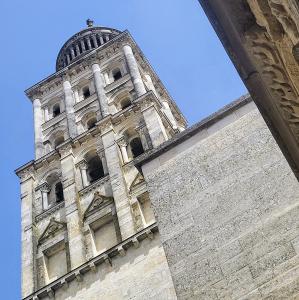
(69, 107)
(134, 71)
(38, 136)
(118, 184)
(154, 126)
(27, 235)
(74, 226)
(99, 85)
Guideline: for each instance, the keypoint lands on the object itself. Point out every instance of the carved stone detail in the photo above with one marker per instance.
(51, 230)
(97, 203)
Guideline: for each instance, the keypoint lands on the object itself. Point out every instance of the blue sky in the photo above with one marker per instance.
(175, 36)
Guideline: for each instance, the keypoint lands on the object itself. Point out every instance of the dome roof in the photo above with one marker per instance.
(83, 42)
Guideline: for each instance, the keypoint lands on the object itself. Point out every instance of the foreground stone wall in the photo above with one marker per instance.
(226, 202)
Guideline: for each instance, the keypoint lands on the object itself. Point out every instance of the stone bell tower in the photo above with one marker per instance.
(87, 224)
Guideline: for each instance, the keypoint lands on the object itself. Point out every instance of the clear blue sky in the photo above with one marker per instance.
(176, 37)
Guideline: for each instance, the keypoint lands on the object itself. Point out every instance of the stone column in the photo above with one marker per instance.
(101, 39)
(27, 235)
(134, 71)
(45, 189)
(82, 45)
(72, 208)
(118, 184)
(46, 110)
(88, 43)
(154, 126)
(83, 170)
(77, 49)
(99, 85)
(106, 76)
(123, 148)
(95, 41)
(101, 154)
(69, 107)
(38, 137)
(76, 95)
(72, 52)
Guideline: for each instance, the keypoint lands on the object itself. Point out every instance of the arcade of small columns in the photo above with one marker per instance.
(103, 103)
(86, 43)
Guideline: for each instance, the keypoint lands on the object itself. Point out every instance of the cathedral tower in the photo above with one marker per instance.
(88, 230)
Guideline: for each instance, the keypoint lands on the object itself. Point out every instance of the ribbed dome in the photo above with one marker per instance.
(82, 43)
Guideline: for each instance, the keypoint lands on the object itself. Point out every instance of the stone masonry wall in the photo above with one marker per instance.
(226, 202)
(142, 273)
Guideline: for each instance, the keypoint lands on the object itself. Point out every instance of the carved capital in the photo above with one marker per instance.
(82, 164)
(65, 150)
(44, 187)
(121, 142)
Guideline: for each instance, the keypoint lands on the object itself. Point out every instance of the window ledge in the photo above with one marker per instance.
(49, 211)
(92, 264)
(85, 102)
(111, 86)
(53, 121)
(94, 185)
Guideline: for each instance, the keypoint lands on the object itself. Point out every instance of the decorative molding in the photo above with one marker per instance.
(51, 230)
(98, 202)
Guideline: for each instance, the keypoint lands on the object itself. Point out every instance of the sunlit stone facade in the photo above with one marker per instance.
(88, 230)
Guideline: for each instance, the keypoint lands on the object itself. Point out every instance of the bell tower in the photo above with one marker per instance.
(86, 213)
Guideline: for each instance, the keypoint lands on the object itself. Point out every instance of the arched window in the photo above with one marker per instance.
(59, 192)
(116, 74)
(95, 169)
(55, 194)
(91, 123)
(136, 147)
(86, 92)
(125, 103)
(56, 110)
(58, 141)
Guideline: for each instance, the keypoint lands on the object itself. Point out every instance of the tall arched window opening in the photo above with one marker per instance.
(59, 192)
(86, 92)
(95, 168)
(56, 110)
(116, 74)
(136, 147)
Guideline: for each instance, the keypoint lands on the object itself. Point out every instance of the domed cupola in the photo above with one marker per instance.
(83, 42)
